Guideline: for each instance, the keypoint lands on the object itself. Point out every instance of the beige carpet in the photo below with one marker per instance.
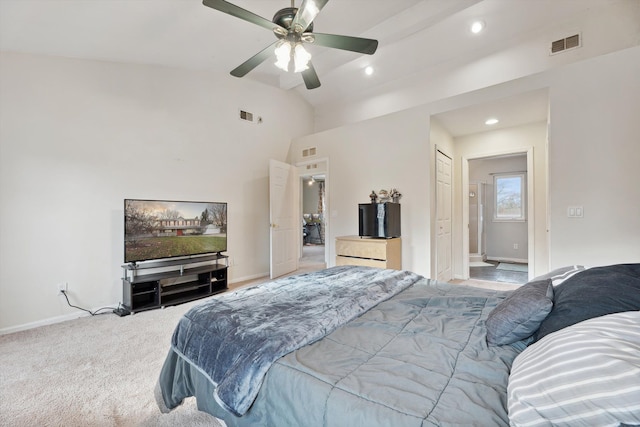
(94, 371)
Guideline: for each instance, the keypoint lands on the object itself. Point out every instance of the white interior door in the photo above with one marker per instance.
(444, 240)
(285, 223)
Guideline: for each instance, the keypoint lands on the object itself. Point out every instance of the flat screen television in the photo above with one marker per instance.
(156, 229)
(379, 220)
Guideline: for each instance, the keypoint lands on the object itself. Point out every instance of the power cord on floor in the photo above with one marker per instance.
(93, 313)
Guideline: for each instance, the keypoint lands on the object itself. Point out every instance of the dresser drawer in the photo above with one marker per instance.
(363, 248)
(381, 253)
(344, 260)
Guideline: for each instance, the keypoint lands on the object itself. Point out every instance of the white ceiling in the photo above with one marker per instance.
(415, 36)
(517, 110)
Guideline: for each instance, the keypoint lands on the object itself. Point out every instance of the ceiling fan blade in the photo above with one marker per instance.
(308, 11)
(310, 77)
(254, 61)
(354, 44)
(238, 12)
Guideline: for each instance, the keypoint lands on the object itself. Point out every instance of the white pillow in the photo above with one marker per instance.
(561, 274)
(585, 374)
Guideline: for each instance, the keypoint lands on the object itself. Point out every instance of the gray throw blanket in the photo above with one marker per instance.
(234, 339)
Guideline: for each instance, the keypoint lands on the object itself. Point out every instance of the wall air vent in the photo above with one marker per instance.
(566, 43)
(245, 115)
(308, 152)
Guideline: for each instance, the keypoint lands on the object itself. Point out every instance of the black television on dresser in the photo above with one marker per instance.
(158, 229)
(379, 220)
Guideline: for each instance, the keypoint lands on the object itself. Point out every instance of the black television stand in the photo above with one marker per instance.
(146, 286)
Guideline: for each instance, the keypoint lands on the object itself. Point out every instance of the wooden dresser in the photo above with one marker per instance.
(356, 250)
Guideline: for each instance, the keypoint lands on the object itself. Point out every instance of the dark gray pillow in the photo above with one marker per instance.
(593, 293)
(519, 315)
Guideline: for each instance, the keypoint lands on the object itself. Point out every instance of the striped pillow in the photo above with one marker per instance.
(585, 374)
(561, 274)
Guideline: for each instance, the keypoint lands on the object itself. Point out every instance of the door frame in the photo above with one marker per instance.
(302, 173)
(530, 206)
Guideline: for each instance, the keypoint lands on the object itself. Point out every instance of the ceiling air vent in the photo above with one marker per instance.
(567, 43)
(308, 152)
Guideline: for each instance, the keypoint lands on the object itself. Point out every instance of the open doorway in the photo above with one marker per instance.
(522, 129)
(497, 205)
(314, 220)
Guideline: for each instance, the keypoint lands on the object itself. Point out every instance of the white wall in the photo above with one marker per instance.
(388, 152)
(77, 137)
(593, 161)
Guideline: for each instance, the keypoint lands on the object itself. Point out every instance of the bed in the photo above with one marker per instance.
(359, 346)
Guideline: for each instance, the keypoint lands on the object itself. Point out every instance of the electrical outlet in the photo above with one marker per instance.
(61, 287)
(515, 246)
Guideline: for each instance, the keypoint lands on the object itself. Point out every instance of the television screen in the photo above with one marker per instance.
(155, 229)
(379, 220)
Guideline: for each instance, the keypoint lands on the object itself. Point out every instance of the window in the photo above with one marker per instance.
(509, 197)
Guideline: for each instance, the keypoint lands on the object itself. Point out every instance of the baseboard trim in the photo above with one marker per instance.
(43, 322)
(78, 314)
(247, 278)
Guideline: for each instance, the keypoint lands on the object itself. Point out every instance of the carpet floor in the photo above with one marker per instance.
(92, 371)
(97, 371)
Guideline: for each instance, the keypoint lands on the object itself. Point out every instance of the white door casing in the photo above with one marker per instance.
(284, 224)
(444, 237)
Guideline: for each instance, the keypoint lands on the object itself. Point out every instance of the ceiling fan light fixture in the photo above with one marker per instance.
(301, 58)
(283, 55)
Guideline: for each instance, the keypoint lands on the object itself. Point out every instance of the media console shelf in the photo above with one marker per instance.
(163, 283)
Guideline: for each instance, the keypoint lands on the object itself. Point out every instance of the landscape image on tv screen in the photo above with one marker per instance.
(155, 229)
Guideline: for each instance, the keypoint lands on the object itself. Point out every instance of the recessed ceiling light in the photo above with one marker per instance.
(491, 121)
(477, 26)
(368, 71)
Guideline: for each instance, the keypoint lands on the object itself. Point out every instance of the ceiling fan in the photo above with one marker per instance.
(293, 27)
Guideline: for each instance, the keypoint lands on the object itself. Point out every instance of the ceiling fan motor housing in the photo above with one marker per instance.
(284, 18)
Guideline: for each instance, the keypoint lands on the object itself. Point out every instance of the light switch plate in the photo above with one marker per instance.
(575, 212)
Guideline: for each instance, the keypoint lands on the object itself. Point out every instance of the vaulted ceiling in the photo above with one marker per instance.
(416, 37)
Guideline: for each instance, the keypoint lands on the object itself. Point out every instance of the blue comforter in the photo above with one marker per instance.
(234, 339)
(418, 359)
